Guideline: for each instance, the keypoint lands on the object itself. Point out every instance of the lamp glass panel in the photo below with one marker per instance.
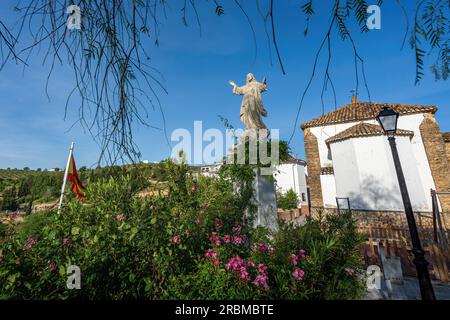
(389, 123)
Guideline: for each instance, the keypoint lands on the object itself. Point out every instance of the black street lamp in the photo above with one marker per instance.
(388, 121)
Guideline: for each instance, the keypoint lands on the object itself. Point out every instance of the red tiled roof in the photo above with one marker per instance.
(358, 111)
(364, 130)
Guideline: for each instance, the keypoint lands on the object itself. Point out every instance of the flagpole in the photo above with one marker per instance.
(66, 172)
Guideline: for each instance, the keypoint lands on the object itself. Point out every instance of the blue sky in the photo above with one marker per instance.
(196, 71)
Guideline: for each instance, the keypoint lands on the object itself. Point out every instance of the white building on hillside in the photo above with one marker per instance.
(210, 170)
(291, 175)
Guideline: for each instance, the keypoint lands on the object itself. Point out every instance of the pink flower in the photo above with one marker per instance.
(237, 240)
(217, 263)
(236, 229)
(52, 267)
(293, 259)
(120, 217)
(214, 238)
(264, 247)
(298, 274)
(350, 271)
(235, 264)
(29, 243)
(250, 264)
(211, 253)
(176, 239)
(262, 268)
(302, 254)
(217, 223)
(152, 207)
(261, 280)
(66, 242)
(226, 238)
(194, 188)
(244, 274)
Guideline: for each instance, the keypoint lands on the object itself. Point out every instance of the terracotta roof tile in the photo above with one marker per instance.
(364, 130)
(364, 111)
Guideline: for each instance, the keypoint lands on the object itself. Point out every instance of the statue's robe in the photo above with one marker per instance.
(252, 107)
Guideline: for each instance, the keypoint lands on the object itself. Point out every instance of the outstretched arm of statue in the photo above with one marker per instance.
(236, 89)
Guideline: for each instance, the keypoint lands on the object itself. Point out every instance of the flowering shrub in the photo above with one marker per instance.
(319, 260)
(192, 242)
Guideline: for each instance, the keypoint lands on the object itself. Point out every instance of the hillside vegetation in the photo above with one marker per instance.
(21, 189)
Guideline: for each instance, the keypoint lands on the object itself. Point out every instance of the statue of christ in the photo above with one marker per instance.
(252, 107)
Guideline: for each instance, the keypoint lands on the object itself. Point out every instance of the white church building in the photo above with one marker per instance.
(349, 157)
(290, 174)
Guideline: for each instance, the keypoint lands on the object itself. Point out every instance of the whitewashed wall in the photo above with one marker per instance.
(291, 176)
(365, 173)
(354, 162)
(328, 190)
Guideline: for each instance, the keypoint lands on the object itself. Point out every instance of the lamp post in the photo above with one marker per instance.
(388, 121)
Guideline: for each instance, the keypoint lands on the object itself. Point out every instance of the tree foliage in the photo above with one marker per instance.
(287, 200)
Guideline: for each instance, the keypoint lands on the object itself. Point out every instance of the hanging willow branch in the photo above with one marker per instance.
(340, 15)
(431, 34)
(114, 81)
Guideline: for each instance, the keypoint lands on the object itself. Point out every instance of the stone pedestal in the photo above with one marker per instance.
(265, 199)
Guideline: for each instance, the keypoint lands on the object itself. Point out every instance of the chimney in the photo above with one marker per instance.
(354, 99)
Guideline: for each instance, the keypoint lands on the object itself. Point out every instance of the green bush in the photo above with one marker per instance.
(34, 224)
(287, 200)
(189, 242)
(9, 199)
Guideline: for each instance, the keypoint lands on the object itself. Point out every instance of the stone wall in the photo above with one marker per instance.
(447, 147)
(393, 220)
(288, 215)
(313, 161)
(446, 137)
(435, 149)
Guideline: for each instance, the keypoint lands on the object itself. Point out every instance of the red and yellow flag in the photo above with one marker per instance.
(76, 184)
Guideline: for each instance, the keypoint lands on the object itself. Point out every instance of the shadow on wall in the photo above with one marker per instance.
(374, 195)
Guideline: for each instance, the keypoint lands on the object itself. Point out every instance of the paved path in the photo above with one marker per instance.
(409, 290)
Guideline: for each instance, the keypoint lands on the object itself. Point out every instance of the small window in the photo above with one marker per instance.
(303, 197)
(329, 157)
